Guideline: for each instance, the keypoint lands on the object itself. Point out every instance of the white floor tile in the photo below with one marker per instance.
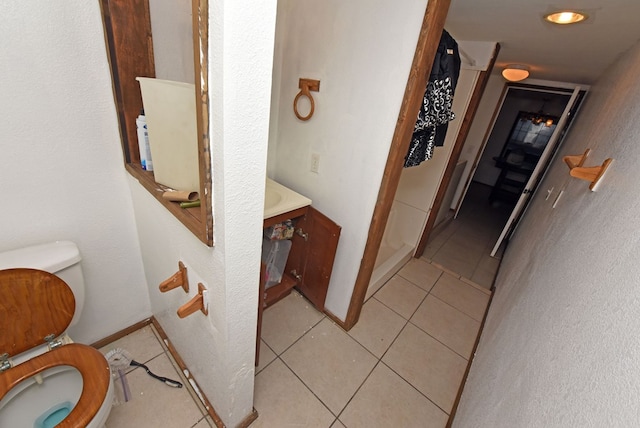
(428, 365)
(377, 328)
(387, 400)
(447, 324)
(282, 400)
(286, 321)
(331, 363)
(420, 273)
(462, 296)
(401, 296)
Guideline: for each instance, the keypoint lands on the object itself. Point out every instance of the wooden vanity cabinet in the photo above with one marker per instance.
(313, 251)
(310, 261)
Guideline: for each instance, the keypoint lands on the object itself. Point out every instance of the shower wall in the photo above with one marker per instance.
(416, 193)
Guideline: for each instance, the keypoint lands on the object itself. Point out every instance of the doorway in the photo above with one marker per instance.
(530, 122)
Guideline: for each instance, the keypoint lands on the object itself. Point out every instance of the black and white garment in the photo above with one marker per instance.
(435, 112)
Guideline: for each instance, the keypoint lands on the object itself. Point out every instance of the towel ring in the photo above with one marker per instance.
(306, 86)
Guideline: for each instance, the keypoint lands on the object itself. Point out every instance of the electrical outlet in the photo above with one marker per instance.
(315, 162)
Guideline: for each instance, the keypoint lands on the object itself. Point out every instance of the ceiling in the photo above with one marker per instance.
(577, 53)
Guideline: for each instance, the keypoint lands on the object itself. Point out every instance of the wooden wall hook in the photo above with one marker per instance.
(576, 160)
(593, 174)
(195, 304)
(306, 86)
(178, 279)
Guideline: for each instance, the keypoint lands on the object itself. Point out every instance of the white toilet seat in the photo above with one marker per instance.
(91, 364)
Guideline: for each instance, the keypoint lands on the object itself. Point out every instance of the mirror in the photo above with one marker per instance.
(166, 39)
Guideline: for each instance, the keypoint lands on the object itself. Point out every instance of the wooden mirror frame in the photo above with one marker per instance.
(127, 26)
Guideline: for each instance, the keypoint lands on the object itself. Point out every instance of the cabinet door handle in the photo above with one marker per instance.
(296, 275)
(302, 233)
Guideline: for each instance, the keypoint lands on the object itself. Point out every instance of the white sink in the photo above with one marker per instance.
(279, 199)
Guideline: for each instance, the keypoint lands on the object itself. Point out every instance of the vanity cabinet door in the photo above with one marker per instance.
(312, 255)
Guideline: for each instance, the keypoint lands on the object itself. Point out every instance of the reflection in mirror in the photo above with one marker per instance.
(164, 39)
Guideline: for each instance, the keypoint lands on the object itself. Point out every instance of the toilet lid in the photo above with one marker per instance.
(34, 304)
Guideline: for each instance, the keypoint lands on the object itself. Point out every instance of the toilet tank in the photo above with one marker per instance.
(61, 258)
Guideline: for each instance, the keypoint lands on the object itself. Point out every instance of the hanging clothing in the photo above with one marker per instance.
(435, 112)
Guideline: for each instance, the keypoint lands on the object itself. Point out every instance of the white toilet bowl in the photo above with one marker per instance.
(66, 387)
(46, 380)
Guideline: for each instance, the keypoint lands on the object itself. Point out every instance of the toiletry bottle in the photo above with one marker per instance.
(147, 149)
(143, 137)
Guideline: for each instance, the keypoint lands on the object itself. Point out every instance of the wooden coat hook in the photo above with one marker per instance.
(178, 279)
(593, 174)
(195, 304)
(306, 86)
(576, 160)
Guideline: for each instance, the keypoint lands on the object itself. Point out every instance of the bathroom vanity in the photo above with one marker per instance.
(313, 249)
(313, 246)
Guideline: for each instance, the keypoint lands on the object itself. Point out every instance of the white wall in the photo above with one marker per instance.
(560, 347)
(60, 156)
(361, 51)
(219, 349)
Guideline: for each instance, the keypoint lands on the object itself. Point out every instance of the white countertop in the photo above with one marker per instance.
(279, 199)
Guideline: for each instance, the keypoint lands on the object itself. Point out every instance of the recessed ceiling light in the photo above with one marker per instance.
(565, 17)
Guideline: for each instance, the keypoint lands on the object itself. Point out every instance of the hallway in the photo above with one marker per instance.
(464, 245)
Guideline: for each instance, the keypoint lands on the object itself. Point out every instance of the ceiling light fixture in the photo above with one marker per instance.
(565, 17)
(515, 72)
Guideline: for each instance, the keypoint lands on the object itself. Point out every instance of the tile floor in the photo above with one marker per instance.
(147, 406)
(464, 245)
(400, 366)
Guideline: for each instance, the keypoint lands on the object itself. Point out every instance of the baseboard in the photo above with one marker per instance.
(454, 409)
(249, 419)
(187, 373)
(120, 334)
(336, 320)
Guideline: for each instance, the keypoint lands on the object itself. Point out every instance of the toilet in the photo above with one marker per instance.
(46, 380)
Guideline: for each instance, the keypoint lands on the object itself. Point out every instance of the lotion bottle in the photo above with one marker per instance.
(143, 138)
(143, 142)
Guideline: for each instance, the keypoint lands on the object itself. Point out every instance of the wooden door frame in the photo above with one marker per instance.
(428, 41)
(470, 114)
